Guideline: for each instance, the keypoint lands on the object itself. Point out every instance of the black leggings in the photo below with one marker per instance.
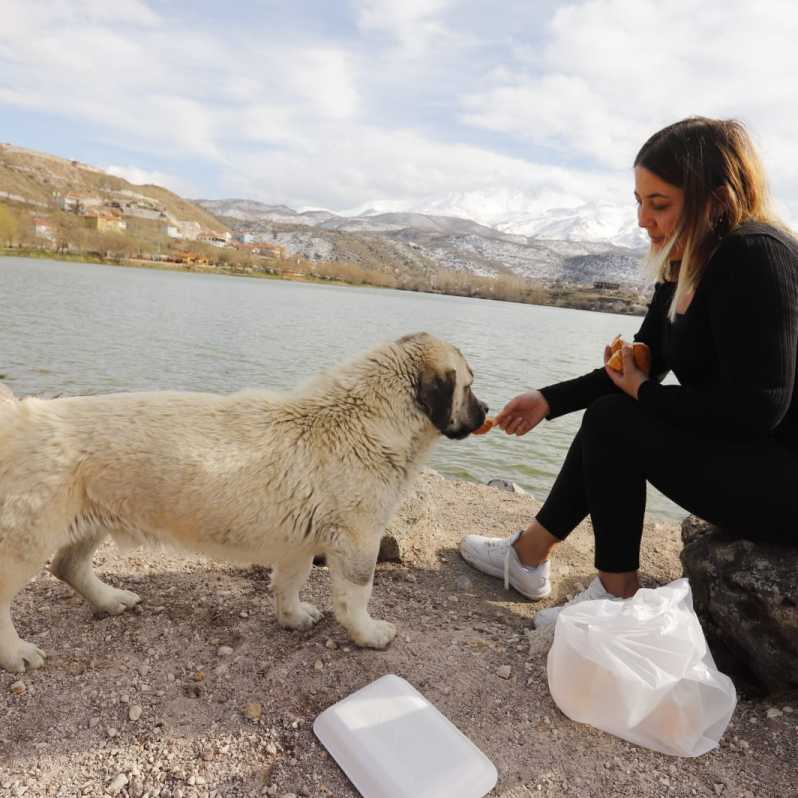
(746, 486)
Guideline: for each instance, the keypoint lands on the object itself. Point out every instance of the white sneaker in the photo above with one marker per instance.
(595, 590)
(497, 557)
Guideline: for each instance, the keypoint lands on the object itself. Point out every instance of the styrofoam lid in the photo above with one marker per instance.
(392, 743)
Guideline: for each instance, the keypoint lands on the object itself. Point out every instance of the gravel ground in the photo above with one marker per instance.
(198, 692)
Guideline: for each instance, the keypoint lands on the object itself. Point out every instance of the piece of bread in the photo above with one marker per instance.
(487, 426)
(640, 352)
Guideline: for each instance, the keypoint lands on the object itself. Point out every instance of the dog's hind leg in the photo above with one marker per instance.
(352, 575)
(72, 564)
(288, 578)
(15, 571)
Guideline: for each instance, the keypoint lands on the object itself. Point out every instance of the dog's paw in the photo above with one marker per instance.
(303, 617)
(378, 634)
(19, 654)
(113, 601)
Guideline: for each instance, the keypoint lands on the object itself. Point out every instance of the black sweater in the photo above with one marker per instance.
(734, 351)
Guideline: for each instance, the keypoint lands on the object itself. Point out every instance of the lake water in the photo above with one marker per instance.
(74, 328)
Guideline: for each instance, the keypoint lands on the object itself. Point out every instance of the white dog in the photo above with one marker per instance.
(251, 477)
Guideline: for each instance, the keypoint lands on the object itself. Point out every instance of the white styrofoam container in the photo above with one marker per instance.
(392, 743)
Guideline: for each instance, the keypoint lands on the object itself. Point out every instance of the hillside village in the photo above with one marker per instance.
(57, 204)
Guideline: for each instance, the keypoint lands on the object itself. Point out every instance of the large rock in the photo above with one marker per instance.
(746, 595)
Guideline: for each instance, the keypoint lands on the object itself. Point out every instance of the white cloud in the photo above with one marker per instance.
(324, 78)
(614, 71)
(359, 164)
(404, 99)
(414, 24)
(143, 177)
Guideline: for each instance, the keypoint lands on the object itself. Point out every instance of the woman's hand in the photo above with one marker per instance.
(523, 413)
(632, 378)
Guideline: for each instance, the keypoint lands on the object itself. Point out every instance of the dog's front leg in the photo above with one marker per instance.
(352, 576)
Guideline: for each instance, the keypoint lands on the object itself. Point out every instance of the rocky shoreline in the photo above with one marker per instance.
(198, 693)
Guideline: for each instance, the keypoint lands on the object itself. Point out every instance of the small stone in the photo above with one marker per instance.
(718, 787)
(18, 688)
(134, 713)
(192, 690)
(253, 711)
(774, 713)
(464, 583)
(115, 787)
(410, 576)
(124, 698)
(111, 731)
(199, 676)
(318, 665)
(243, 614)
(331, 644)
(504, 671)
(224, 651)
(93, 722)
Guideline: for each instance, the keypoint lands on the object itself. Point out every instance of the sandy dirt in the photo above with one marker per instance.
(198, 691)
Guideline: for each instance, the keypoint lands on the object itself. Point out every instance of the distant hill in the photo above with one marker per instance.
(421, 243)
(42, 181)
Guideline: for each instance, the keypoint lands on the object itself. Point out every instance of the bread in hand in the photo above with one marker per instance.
(640, 352)
(487, 425)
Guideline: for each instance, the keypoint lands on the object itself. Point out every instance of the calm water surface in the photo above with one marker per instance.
(73, 328)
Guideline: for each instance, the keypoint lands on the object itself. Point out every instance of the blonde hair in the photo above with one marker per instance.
(713, 161)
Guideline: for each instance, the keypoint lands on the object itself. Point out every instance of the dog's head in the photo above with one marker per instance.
(443, 386)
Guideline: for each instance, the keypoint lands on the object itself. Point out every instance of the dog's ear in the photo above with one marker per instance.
(435, 394)
(418, 337)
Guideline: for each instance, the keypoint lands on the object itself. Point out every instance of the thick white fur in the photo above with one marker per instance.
(250, 477)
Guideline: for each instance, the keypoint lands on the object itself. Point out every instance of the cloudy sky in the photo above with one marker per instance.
(338, 103)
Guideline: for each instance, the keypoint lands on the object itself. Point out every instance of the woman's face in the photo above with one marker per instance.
(659, 208)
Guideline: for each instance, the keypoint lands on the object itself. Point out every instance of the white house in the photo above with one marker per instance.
(43, 228)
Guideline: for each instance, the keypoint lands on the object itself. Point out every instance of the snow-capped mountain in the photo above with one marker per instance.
(597, 223)
(520, 214)
(582, 245)
(601, 223)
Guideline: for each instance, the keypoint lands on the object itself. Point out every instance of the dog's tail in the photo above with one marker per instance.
(9, 411)
(6, 394)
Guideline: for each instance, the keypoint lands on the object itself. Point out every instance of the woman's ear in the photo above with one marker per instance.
(721, 202)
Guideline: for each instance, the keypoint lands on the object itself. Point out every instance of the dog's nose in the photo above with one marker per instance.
(484, 407)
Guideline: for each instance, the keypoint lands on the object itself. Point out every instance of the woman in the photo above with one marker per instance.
(723, 443)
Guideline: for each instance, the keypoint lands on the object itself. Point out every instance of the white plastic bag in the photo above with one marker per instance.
(641, 669)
